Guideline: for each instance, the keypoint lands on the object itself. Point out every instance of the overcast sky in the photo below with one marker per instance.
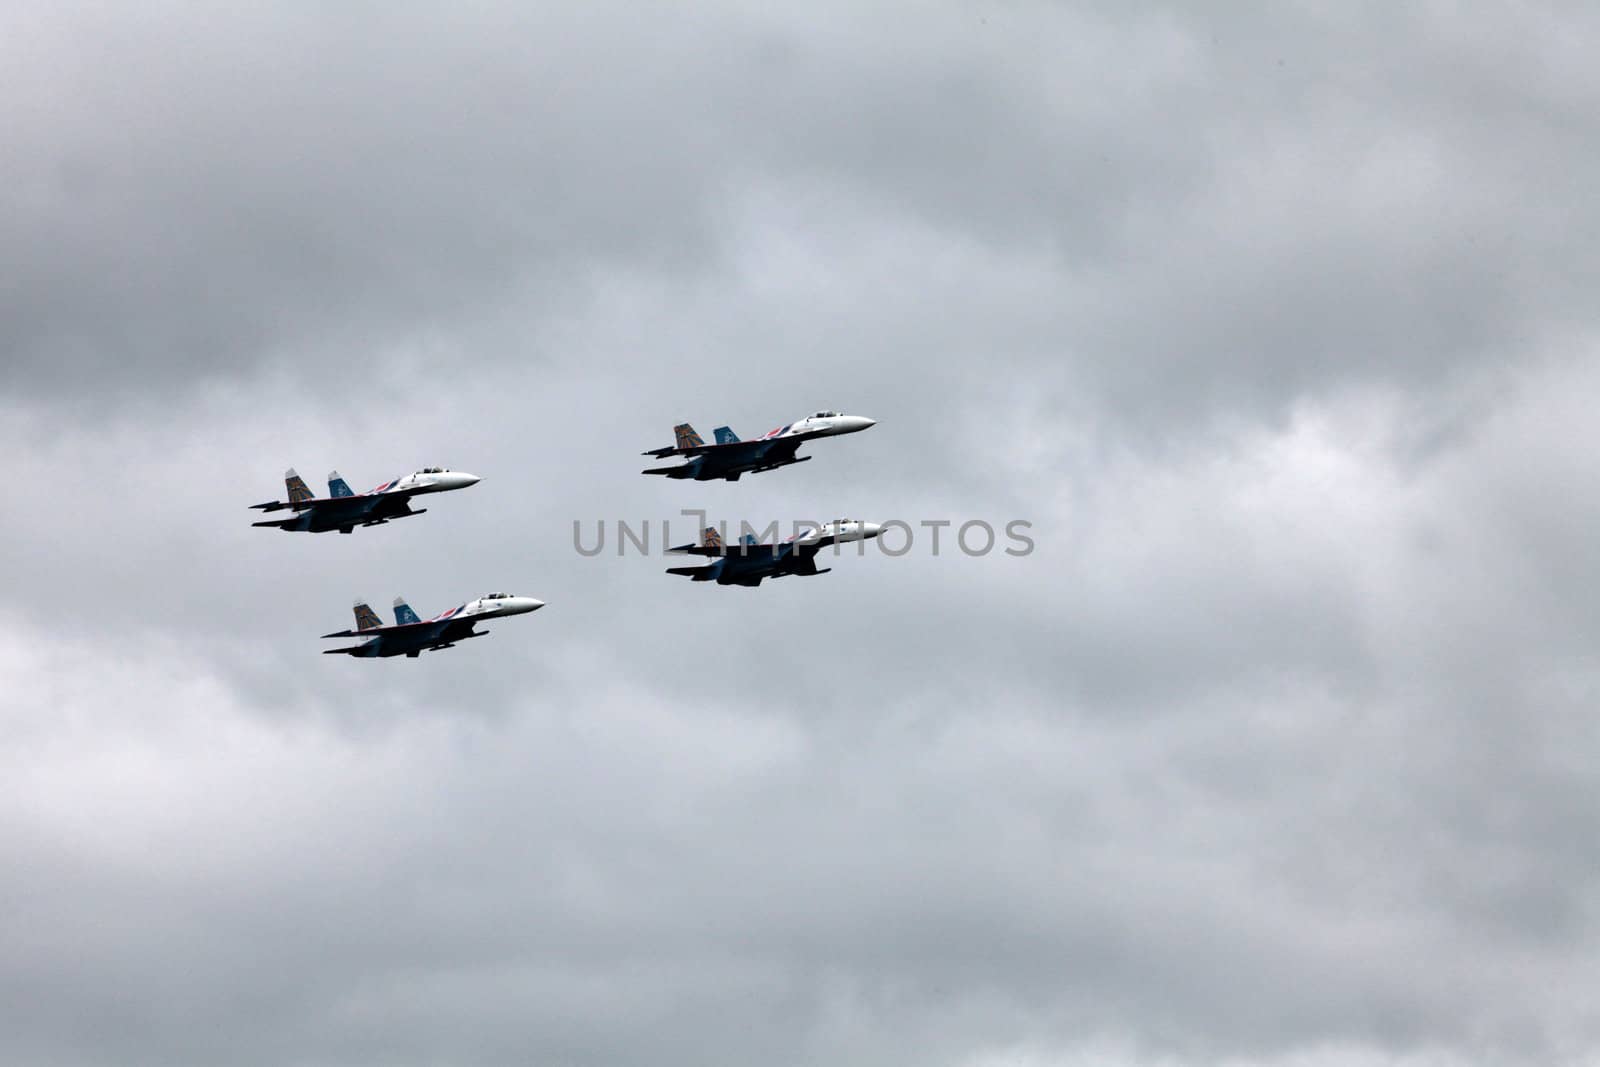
(1277, 323)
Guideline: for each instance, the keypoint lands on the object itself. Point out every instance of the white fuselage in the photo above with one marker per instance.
(820, 426)
(490, 606)
(427, 481)
(838, 532)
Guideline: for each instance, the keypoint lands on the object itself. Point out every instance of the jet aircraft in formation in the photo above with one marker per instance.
(730, 457)
(344, 510)
(411, 636)
(747, 562)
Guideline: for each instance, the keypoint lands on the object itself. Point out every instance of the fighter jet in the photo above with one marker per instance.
(344, 510)
(411, 636)
(747, 562)
(731, 457)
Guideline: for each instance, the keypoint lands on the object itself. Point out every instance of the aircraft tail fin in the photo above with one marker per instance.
(749, 540)
(298, 489)
(686, 436)
(711, 538)
(403, 615)
(366, 618)
(725, 436)
(337, 486)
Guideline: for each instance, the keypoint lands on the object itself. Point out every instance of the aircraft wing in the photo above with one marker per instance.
(374, 631)
(454, 628)
(353, 504)
(445, 628)
(730, 449)
(354, 507)
(779, 450)
(737, 548)
(701, 550)
(357, 633)
(805, 562)
(733, 450)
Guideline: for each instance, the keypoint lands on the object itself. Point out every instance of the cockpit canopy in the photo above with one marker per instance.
(495, 596)
(826, 415)
(434, 470)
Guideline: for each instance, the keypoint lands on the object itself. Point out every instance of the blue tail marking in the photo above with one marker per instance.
(725, 436)
(403, 615)
(337, 486)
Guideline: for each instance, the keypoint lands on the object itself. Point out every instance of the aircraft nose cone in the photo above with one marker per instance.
(871, 529)
(528, 603)
(462, 479)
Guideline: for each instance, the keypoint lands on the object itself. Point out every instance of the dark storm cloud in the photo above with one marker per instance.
(1272, 323)
(307, 183)
(190, 198)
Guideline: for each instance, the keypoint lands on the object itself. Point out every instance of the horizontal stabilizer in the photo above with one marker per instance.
(687, 443)
(805, 563)
(670, 472)
(300, 495)
(716, 551)
(711, 544)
